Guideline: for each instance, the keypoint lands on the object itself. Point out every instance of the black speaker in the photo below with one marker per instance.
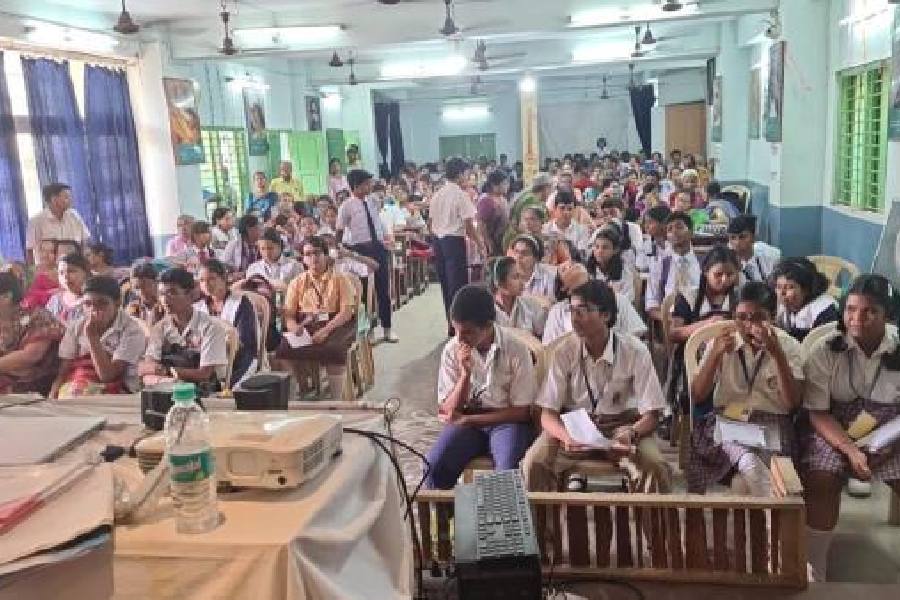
(155, 404)
(264, 391)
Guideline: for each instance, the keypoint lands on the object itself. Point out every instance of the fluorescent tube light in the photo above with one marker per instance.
(613, 16)
(466, 112)
(450, 65)
(599, 52)
(260, 37)
(48, 34)
(528, 84)
(332, 101)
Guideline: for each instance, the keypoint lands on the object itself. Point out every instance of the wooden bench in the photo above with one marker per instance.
(652, 537)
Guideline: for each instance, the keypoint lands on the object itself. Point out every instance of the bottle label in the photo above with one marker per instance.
(187, 468)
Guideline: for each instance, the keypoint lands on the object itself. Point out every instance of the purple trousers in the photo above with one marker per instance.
(457, 445)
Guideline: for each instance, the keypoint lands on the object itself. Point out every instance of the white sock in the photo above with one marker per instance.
(818, 543)
(336, 381)
(756, 474)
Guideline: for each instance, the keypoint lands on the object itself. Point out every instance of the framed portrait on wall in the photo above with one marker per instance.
(182, 98)
(894, 106)
(754, 103)
(255, 116)
(716, 122)
(314, 113)
(775, 92)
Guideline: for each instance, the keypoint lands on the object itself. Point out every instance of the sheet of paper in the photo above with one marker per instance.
(746, 434)
(298, 341)
(885, 435)
(582, 429)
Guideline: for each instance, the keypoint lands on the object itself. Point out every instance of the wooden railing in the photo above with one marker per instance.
(678, 538)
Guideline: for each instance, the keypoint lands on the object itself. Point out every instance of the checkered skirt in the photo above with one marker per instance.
(710, 462)
(819, 455)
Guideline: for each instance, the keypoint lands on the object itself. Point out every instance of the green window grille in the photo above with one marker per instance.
(225, 172)
(862, 137)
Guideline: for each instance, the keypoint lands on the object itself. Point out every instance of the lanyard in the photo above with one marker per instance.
(477, 393)
(850, 370)
(749, 378)
(318, 293)
(587, 383)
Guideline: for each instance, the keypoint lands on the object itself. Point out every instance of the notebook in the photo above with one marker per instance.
(33, 440)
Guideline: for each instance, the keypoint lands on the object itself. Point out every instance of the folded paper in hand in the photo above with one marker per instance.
(882, 437)
(747, 434)
(298, 341)
(582, 429)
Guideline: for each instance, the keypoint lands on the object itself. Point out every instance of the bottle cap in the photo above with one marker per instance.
(183, 393)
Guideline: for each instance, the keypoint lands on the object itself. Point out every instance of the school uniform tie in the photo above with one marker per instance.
(370, 222)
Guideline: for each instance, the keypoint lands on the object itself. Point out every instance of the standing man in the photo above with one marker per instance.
(58, 221)
(285, 183)
(452, 219)
(360, 215)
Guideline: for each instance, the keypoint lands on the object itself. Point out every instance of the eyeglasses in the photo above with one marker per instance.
(582, 310)
(757, 317)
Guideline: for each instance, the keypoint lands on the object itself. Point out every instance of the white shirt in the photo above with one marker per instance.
(284, 271)
(828, 374)
(684, 273)
(392, 217)
(501, 378)
(203, 333)
(124, 340)
(622, 379)
(765, 393)
(624, 286)
(527, 313)
(45, 226)
(576, 233)
(449, 209)
(559, 321)
(758, 268)
(651, 252)
(352, 218)
(220, 239)
(805, 318)
(542, 282)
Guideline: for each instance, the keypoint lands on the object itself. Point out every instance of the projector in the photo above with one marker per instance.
(261, 450)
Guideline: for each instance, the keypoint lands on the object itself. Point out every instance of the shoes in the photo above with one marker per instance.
(390, 338)
(576, 483)
(858, 488)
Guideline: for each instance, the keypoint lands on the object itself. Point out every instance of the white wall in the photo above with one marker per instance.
(355, 112)
(569, 126)
(422, 127)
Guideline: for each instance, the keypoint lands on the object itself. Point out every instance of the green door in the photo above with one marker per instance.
(308, 155)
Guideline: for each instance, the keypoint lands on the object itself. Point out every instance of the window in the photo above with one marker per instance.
(862, 137)
(470, 147)
(224, 174)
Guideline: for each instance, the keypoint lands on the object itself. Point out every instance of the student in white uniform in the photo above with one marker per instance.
(486, 386)
(752, 372)
(273, 266)
(606, 262)
(540, 278)
(222, 230)
(742, 239)
(564, 226)
(611, 376)
(613, 210)
(514, 309)
(803, 299)
(101, 349)
(852, 383)
(655, 245)
(559, 319)
(679, 270)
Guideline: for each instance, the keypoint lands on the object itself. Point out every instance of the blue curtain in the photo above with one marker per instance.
(398, 159)
(114, 164)
(642, 101)
(12, 194)
(58, 132)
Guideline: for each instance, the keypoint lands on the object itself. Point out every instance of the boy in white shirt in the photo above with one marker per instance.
(677, 271)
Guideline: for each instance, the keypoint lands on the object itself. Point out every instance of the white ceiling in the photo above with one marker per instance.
(535, 30)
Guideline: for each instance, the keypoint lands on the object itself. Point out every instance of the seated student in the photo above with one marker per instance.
(100, 259)
(540, 279)
(273, 266)
(610, 375)
(347, 261)
(486, 385)
(655, 244)
(72, 270)
(242, 252)
(752, 372)
(308, 228)
(329, 221)
(852, 383)
(607, 264)
(514, 310)
(199, 250)
(46, 280)
(181, 241)
(613, 211)
(678, 270)
(564, 226)
(142, 301)
(323, 304)
(559, 319)
(186, 344)
(530, 223)
(101, 350)
(713, 300)
(741, 239)
(219, 301)
(803, 299)
(222, 230)
(28, 341)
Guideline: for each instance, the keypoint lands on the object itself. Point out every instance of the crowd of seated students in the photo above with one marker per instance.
(578, 238)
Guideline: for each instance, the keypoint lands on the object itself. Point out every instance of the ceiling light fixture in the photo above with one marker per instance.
(287, 36)
(444, 67)
(48, 34)
(466, 112)
(125, 25)
(605, 52)
(246, 81)
(672, 6)
(599, 17)
(528, 84)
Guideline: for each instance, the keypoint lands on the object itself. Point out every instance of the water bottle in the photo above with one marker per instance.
(192, 469)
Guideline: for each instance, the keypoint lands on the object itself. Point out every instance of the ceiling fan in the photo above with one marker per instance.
(648, 39)
(228, 48)
(638, 50)
(604, 94)
(125, 24)
(352, 80)
(449, 27)
(480, 58)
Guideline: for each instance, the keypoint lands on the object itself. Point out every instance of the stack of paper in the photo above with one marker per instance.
(882, 437)
(582, 429)
(751, 435)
